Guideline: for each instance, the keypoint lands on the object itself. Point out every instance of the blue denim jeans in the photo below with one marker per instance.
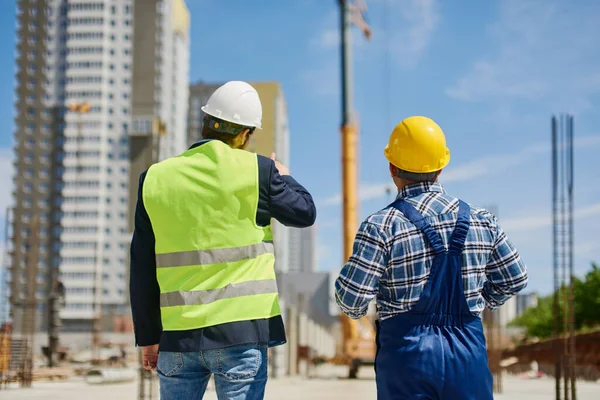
(240, 373)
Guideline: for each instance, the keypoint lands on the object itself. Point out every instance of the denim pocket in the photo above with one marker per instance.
(169, 363)
(242, 362)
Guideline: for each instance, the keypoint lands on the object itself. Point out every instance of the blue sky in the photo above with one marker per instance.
(490, 73)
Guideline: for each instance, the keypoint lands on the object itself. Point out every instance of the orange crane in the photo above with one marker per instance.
(358, 335)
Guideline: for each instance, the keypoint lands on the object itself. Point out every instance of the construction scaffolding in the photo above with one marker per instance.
(562, 217)
(29, 306)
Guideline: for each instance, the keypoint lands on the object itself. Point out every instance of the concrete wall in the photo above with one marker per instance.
(301, 330)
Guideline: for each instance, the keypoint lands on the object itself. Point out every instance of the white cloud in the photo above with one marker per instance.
(407, 41)
(411, 37)
(589, 248)
(473, 169)
(546, 51)
(542, 221)
(327, 38)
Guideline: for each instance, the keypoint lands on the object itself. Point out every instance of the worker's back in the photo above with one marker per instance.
(202, 278)
(211, 183)
(215, 264)
(411, 256)
(433, 262)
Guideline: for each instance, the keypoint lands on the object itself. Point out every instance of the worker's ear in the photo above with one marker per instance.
(245, 138)
(393, 170)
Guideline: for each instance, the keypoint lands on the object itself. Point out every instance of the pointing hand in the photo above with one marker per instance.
(283, 170)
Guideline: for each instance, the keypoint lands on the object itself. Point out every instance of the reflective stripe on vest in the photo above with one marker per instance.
(214, 256)
(249, 288)
(215, 265)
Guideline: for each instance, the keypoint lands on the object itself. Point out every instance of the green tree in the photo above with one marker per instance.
(539, 321)
(587, 299)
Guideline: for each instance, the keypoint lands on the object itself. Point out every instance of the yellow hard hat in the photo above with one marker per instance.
(418, 145)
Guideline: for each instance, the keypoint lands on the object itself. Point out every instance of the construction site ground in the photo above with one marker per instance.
(328, 385)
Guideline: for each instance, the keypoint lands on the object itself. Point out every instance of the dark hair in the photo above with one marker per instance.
(417, 177)
(209, 133)
(225, 137)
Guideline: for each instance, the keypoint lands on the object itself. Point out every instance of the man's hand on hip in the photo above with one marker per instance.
(283, 170)
(150, 357)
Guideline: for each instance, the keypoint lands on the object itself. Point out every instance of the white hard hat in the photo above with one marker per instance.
(236, 102)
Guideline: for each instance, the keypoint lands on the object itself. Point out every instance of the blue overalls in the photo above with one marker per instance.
(437, 349)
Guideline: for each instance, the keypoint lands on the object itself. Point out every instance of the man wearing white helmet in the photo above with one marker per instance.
(202, 284)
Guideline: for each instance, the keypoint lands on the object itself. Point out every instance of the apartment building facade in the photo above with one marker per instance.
(73, 127)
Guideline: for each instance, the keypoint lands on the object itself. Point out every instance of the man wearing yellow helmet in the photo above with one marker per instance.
(434, 262)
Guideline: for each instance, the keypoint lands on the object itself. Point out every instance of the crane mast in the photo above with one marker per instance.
(358, 336)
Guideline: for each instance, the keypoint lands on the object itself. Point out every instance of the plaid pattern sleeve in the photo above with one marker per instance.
(358, 282)
(506, 273)
(391, 258)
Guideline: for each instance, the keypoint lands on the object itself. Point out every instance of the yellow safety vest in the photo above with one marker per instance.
(214, 263)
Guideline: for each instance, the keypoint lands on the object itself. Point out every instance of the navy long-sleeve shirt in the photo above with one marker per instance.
(280, 197)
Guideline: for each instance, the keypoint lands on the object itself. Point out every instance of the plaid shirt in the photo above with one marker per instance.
(391, 258)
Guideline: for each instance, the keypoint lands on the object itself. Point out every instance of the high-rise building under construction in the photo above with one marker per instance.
(78, 64)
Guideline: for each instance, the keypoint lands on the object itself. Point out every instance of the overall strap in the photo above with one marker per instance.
(457, 241)
(418, 220)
